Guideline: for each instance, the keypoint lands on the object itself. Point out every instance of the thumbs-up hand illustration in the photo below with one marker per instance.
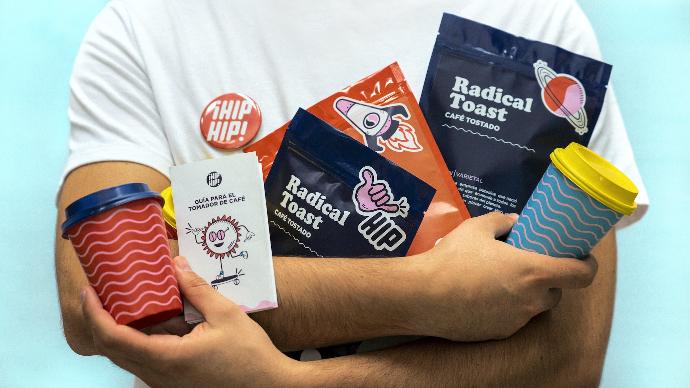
(372, 194)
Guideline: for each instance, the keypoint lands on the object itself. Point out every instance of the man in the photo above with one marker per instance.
(145, 71)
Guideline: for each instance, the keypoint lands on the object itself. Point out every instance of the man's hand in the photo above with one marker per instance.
(564, 347)
(479, 288)
(228, 349)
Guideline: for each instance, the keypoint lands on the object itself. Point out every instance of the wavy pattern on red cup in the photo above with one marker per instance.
(125, 255)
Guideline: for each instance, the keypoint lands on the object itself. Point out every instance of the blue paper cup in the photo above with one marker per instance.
(578, 200)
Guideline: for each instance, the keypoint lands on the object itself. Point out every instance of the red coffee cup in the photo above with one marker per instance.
(120, 238)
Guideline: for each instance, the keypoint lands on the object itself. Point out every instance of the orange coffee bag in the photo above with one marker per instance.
(382, 112)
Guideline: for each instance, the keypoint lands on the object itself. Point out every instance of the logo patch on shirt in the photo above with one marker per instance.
(230, 121)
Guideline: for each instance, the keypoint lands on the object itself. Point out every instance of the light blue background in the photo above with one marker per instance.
(647, 41)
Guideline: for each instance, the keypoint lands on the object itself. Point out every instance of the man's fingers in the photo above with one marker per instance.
(568, 273)
(553, 296)
(176, 326)
(496, 224)
(212, 305)
(113, 340)
(559, 272)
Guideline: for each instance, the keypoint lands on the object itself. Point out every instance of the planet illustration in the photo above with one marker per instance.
(563, 95)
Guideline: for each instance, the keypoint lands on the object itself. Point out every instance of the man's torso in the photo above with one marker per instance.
(287, 55)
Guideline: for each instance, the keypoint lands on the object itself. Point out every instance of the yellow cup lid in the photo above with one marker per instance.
(168, 207)
(597, 177)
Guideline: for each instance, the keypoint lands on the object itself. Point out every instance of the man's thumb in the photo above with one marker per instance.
(200, 294)
(495, 223)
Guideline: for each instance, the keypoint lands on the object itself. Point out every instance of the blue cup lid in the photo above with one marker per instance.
(103, 200)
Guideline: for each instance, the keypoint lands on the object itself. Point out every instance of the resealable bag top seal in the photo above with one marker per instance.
(499, 104)
(327, 195)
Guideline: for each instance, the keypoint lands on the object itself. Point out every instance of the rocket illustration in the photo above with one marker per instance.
(373, 121)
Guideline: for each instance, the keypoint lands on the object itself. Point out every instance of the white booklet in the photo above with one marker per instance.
(222, 228)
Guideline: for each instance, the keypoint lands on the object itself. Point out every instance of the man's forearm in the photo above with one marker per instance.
(330, 301)
(322, 301)
(563, 347)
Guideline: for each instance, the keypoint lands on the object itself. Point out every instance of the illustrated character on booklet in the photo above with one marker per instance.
(220, 238)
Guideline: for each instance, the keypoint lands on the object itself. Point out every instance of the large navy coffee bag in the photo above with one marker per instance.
(330, 196)
(498, 104)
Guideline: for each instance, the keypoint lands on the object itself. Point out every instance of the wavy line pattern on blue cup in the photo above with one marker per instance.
(560, 219)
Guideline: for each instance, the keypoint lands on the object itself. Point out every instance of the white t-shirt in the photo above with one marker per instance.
(147, 68)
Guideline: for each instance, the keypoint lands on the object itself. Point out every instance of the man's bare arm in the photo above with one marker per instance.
(322, 302)
(469, 287)
(564, 347)
(541, 355)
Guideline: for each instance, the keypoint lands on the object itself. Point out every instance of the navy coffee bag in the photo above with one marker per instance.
(330, 196)
(498, 104)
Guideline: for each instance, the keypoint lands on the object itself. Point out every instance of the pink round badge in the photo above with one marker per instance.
(230, 121)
